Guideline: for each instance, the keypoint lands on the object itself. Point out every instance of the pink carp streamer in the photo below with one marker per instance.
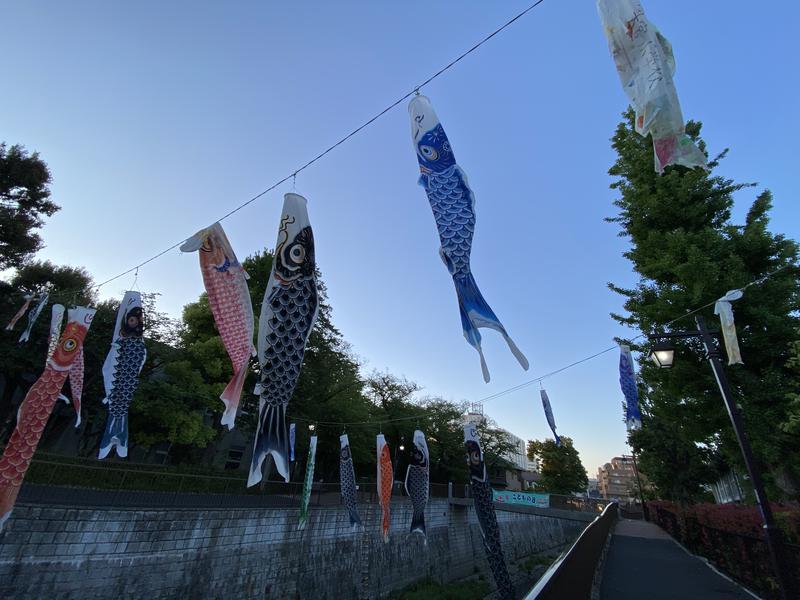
(226, 284)
(36, 408)
(23, 309)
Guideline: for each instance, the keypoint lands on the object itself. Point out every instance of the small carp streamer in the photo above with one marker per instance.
(76, 371)
(484, 509)
(385, 481)
(548, 413)
(308, 482)
(56, 319)
(225, 281)
(33, 315)
(18, 315)
(121, 373)
(288, 314)
(36, 408)
(292, 435)
(725, 312)
(417, 481)
(76, 385)
(645, 64)
(453, 205)
(347, 480)
(627, 381)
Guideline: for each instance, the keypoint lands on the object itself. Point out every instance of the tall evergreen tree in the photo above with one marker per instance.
(687, 253)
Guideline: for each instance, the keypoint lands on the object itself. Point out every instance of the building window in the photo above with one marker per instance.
(234, 458)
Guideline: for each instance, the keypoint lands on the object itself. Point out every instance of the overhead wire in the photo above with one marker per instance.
(549, 374)
(615, 346)
(339, 142)
(345, 138)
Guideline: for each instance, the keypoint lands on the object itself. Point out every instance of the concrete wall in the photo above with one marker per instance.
(64, 552)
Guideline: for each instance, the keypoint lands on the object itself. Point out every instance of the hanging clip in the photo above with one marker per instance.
(135, 279)
(294, 181)
(416, 91)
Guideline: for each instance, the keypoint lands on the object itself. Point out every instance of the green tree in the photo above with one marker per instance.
(791, 424)
(687, 253)
(24, 200)
(330, 388)
(20, 365)
(560, 466)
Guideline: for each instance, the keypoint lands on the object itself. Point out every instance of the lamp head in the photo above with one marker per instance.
(663, 355)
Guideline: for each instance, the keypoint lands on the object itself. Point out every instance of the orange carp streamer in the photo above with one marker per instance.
(385, 482)
(36, 408)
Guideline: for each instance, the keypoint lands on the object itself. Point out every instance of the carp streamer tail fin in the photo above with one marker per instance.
(476, 313)
(418, 523)
(273, 439)
(115, 435)
(232, 395)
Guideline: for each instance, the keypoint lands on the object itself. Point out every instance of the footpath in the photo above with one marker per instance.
(644, 562)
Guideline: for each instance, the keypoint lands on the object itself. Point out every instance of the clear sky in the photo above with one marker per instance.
(157, 117)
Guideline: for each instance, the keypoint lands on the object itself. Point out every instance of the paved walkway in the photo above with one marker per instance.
(644, 562)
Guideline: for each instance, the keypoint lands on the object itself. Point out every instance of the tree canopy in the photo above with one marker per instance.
(560, 466)
(687, 253)
(24, 201)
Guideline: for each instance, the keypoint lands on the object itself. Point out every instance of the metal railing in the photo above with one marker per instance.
(53, 479)
(88, 482)
(743, 557)
(572, 575)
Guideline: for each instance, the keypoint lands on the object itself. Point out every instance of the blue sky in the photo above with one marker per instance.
(157, 118)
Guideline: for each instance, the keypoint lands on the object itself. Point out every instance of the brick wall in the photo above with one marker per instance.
(64, 552)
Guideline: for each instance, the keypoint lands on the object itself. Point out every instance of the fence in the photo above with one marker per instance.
(743, 557)
(52, 479)
(573, 574)
(88, 482)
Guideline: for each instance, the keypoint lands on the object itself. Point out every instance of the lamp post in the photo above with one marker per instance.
(663, 356)
(402, 447)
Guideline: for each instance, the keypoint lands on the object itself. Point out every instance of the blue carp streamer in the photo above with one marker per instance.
(627, 381)
(453, 205)
(548, 413)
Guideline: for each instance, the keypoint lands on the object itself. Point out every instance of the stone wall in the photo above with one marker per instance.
(66, 552)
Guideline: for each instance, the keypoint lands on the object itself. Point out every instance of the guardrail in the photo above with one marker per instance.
(571, 576)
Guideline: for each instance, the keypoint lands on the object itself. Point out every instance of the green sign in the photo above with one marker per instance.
(523, 498)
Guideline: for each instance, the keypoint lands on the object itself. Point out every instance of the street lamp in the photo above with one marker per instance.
(401, 447)
(663, 355)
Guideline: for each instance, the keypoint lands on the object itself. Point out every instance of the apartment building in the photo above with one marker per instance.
(617, 479)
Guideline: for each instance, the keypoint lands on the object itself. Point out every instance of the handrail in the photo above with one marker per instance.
(572, 574)
(39, 461)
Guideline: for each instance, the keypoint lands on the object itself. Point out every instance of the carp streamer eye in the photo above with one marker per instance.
(70, 345)
(429, 153)
(297, 254)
